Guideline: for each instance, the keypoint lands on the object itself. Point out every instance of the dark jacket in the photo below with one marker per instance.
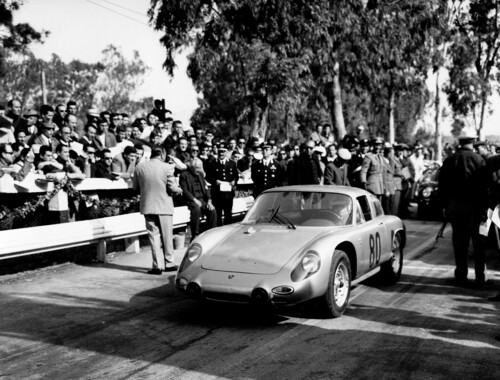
(266, 177)
(463, 178)
(304, 170)
(223, 172)
(187, 180)
(335, 175)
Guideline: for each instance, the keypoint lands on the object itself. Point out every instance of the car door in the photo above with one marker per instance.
(372, 236)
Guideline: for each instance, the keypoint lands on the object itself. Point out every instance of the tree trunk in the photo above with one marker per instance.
(392, 129)
(484, 101)
(439, 132)
(259, 122)
(338, 115)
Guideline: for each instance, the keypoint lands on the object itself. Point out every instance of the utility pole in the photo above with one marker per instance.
(44, 87)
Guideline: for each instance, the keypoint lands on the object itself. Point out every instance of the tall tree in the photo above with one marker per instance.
(266, 47)
(14, 37)
(64, 81)
(474, 57)
(118, 80)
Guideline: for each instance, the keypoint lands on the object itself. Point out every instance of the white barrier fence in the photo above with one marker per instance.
(28, 241)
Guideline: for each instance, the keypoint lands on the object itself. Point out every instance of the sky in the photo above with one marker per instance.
(81, 29)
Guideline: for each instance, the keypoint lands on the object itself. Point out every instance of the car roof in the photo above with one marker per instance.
(347, 190)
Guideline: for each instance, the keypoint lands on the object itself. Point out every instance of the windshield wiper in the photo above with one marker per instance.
(273, 215)
(281, 219)
(285, 220)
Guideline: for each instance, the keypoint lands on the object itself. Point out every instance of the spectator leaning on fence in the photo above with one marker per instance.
(124, 163)
(7, 165)
(103, 166)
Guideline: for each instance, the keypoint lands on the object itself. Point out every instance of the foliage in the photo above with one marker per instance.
(474, 59)
(14, 37)
(74, 80)
(255, 58)
(119, 79)
(108, 84)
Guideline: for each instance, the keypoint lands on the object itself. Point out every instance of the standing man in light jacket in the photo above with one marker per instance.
(156, 182)
(372, 170)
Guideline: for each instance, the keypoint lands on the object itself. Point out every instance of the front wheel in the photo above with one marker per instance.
(337, 294)
(391, 270)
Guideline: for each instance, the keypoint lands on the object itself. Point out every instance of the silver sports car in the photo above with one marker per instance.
(296, 243)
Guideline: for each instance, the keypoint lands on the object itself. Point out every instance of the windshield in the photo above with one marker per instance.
(301, 208)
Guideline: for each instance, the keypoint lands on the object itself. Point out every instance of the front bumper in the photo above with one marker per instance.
(244, 288)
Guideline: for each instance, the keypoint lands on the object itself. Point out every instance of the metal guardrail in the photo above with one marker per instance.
(32, 240)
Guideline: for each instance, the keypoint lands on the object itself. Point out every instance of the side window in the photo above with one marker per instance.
(359, 215)
(365, 207)
(378, 207)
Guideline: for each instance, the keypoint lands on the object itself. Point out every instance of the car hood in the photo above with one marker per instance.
(258, 249)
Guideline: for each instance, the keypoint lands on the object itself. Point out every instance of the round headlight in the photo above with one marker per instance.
(311, 262)
(426, 193)
(194, 251)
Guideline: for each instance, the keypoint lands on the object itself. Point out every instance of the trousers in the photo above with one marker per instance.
(465, 218)
(196, 212)
(160, 233)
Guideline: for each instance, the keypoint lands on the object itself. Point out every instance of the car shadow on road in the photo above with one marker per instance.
(160, 328)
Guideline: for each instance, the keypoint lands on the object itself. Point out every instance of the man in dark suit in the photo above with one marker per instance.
(194, 189)
(462, 188)
(155, 181)
(266, 173)
(223, 175)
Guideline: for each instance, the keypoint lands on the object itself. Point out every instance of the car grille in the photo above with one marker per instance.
(226, 297)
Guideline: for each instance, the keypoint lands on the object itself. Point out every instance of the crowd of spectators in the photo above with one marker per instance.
(109, 144)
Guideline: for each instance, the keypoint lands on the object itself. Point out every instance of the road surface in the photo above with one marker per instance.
(113, 321)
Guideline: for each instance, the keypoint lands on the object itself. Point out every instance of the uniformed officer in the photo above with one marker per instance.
(222, 175)
(266, 173)
(372, 170)
(462, 189)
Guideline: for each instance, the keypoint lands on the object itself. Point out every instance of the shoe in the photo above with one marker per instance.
(154, 271)
(482, 284)
(173, 268)
(494, 298)
(461, 283)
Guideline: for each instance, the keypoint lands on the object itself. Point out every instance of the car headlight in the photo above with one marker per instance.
(193, 253)
(310, 264)
(426, 193)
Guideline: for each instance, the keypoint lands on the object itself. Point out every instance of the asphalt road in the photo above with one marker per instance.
(113, 321)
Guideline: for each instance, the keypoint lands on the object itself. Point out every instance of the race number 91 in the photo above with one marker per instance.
(375, 249)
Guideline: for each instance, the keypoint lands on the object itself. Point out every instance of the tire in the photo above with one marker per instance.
(391, 270)
(337, 294)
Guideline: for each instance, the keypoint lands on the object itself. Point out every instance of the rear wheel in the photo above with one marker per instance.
(337, 294)
(391, 270)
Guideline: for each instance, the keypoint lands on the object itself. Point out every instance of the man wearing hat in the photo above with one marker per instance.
(222, 174)
(31, 117)
(393, 177)
(266, 173)
(336, 171)
(482, 149)
(372, 170)
(354, 165)
(463, 192)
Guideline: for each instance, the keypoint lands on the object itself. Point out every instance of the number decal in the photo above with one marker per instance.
(375, 249)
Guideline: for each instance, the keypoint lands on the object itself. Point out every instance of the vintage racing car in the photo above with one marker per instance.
(296, 243)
